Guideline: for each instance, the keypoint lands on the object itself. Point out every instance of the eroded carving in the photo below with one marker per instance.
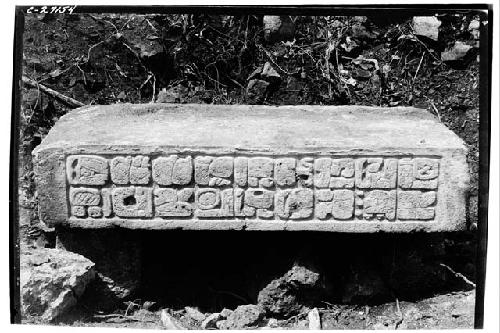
(172, 170)
(130, 170)
(132, 201)
(87, 170)
(212, 171)
(416, 205)
(214, 202)
(285, 188)
(173, 202)
(376, 173)
(418, 173)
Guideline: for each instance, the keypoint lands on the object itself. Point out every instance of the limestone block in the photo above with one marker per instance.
(318, 168)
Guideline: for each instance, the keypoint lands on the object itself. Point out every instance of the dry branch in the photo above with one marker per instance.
(68, 101)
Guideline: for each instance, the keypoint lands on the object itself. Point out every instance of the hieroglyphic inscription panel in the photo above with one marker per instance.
(356, 188)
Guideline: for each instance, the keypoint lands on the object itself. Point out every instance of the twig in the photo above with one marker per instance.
(367, 313)
(459, 275)
(435, 109)
(83, 73)
(425, 46)
(400, 314)
(266, 52)
(418, 68)
(92, 47)
(68, 101)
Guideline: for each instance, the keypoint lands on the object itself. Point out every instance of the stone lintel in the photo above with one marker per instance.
(208, 167)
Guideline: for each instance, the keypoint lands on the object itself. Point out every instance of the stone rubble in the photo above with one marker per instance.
(52, 280)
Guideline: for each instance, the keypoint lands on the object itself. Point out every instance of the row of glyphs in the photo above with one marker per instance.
(256, 172)
(285, 204)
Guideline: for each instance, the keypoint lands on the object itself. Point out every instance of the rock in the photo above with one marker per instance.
(473, 28)
(220, 324)
(273, 322)
(225, 313)
(244, 316)
(194, 314)
(314, 319)
(268, 72)
(278, 28)
(285, 296)
(52, 280)
(256, 91)
(211, 321)
(427, 26)
(169, 322)
(459, 55)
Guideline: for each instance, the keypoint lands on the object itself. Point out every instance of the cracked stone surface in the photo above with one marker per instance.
(51, 281)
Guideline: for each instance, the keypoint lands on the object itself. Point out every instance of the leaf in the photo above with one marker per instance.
(55, 73)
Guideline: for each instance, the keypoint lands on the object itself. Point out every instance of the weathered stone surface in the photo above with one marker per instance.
(427, 26)
(457, 52)
(210, 322)
(278, 28)
(344, 169)
(286, 295)
(244, 316)
(52, 280)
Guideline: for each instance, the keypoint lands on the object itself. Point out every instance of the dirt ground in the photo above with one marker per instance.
(361, 60)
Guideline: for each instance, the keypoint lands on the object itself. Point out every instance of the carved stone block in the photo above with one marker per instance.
(214, 202)
(213, 171)
(376, 173)
(305, 167)
(130, 170)
(132, 201)
(294, 204)
(82, 199)
(342, 169)
(241, 171)
(87, 170)
(284, 171)
(416, 205)
(259, 202)
(260, 172)
(172, 170)
(377, 204)
(418, 173)
(170, 202)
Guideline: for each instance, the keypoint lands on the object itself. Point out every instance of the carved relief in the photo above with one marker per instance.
(418, 173)
(376, 173)
(285, 188)
(259, 202)
(260, 172)
(334, 173)
(294, 204)
(213, 202)
(376, 204)
(213, 171)
(416, 205)
(130, 170)
(85, 201)
(172, 202)
(132, 201)
(87, 170)
(172, 170)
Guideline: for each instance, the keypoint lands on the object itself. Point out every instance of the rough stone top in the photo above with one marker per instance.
(319, 168)
(235, 128)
